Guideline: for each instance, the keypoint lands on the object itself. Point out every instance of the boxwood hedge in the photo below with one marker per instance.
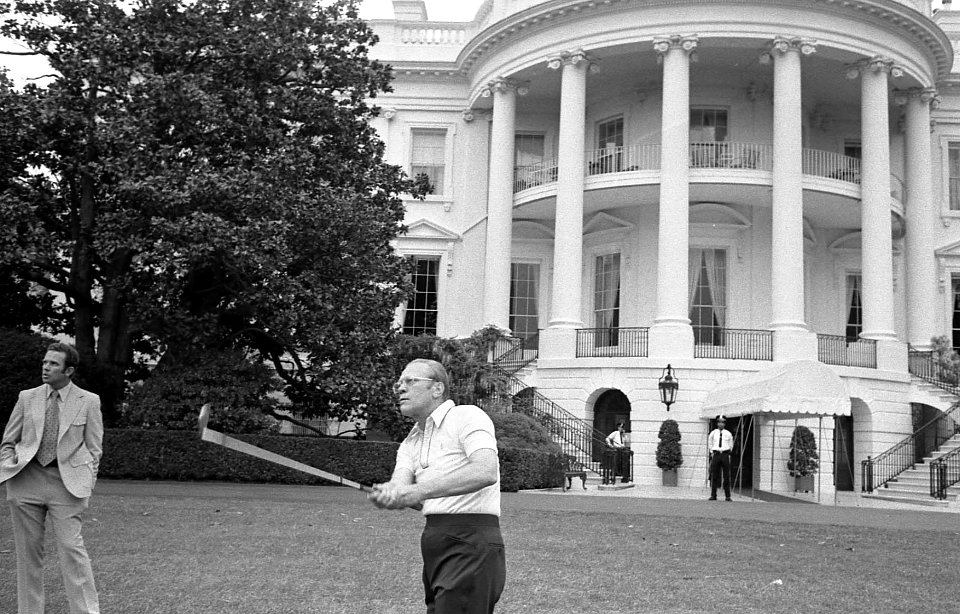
(181, 455)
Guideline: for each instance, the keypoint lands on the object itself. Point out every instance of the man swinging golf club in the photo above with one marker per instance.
(449, 464)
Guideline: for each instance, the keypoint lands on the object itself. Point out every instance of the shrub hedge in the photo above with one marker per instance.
(180, 455)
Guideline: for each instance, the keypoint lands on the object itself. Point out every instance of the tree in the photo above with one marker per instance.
(202, 174)
(803, 458)
(669, 455)
(21, 354)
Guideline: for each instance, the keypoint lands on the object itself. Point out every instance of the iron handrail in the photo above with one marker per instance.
(736, 344)
(838, 350)
(944, 473)
(612, 342)
(576, 438)
(878, 471)
(515, 353)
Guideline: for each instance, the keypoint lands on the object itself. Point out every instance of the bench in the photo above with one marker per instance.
(570, 471)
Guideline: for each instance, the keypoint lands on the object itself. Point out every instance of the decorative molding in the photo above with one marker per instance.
(784, 44)
(388, 113)
(877, 63)
(500, 84)
(687, 43)
(468, 115)
(929, 95)
(573, 58)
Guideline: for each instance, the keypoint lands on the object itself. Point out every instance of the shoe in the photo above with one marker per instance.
(728, 499)
(712, 499)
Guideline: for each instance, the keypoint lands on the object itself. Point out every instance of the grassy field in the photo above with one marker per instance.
(214, 548)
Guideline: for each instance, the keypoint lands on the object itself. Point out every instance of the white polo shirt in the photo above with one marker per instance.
(453, 433)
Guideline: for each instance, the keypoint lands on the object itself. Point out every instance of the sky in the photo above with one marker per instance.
(437, 10)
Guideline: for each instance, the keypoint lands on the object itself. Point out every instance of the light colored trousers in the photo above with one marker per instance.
(33, 494)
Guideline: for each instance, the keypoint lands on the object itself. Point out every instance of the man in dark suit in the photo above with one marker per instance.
(49, 458)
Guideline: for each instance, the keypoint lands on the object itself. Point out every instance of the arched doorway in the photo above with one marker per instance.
(611, 408)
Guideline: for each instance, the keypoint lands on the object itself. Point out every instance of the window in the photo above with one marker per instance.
(524, 290)
(708, 292)
(953, 178)
(420, 317)
(854, 307)
(609, 157)
(610, 133)
(528, 149)
(606, 299)
(427, 156)
(955, 319)
(708, 125)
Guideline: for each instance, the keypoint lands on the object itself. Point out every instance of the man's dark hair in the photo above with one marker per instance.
(71, 356)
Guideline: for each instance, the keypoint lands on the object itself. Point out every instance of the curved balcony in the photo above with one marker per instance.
(708, 155)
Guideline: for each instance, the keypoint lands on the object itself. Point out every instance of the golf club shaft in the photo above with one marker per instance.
(241, 446)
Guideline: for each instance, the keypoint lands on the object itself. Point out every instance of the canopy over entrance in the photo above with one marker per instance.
(794, 389)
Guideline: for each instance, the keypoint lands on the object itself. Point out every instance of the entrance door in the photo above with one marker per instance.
(843, 452)
(741, 461)
(611, 408)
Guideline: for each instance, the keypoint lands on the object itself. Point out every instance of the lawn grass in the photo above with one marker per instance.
(204, 549)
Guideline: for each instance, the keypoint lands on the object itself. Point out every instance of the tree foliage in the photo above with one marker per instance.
(803, 458)
(669, 454)
(201, 174)
(21, 354)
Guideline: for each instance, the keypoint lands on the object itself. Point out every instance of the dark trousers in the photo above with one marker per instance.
(464, 565)
(720, 467)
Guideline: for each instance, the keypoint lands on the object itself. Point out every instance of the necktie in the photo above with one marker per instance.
(51, 430)
(720, 445)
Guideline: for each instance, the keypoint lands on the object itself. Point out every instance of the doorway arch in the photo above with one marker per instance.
(610, 408)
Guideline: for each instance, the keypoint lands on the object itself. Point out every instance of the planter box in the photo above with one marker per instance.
(670, 477)
(803, 483)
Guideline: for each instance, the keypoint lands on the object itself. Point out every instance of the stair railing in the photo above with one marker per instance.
(576, 438)
(515, 353)
(879, 470)
(944, 473)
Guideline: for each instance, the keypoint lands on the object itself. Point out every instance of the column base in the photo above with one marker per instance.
(556, 342)
(670, 340)
(791, 344)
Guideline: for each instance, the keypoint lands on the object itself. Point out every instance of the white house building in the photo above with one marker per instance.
(763, 194)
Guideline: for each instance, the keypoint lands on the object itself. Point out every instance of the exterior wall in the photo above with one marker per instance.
(446, 76)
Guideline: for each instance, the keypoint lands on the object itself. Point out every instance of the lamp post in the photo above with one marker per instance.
(668, 386)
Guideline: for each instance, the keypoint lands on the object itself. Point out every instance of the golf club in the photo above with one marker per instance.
(208, 434)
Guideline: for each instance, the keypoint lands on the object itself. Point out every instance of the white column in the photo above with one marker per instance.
(921, 264)
(792, 340)
(568, 241)
(496, 279)
(671, 334)
(877, 243)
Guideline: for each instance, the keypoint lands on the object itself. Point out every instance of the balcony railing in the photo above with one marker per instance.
(737, 344)
(515, 353)
(525, 177)
(612, 342)
(703, 155)
(838, 350)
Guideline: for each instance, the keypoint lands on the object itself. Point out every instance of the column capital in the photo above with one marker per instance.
(784, 44)
(876, 64)
(688, 43)
(928, 95)
(388, 113)
(498, 85)
(575, 57)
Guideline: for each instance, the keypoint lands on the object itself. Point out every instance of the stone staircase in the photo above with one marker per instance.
(913, 485)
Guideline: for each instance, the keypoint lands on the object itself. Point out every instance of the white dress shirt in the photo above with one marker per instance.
(720, 440)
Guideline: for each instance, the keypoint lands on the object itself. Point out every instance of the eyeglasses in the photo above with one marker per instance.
(408, 380)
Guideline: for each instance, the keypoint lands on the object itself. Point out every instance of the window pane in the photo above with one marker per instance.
(606, 299)
(610, 133)
(708, 303)
(854, 308)
(954, 179)
(529, 149)
(707, 125)
(524, 284)
(420, 317)
(428, 156)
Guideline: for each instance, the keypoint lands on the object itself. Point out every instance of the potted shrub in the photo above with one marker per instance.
(803, 461)
(669, 456)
